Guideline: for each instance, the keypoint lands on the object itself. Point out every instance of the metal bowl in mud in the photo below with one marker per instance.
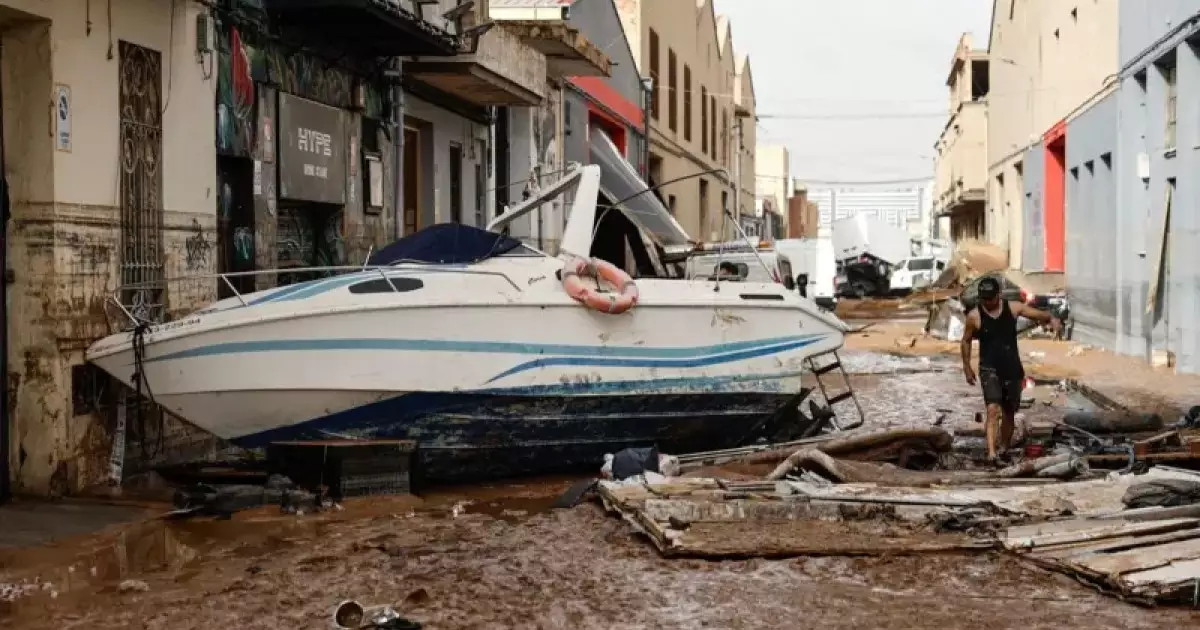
(349, 614)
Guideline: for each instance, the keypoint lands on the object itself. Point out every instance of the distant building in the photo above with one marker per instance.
(803, 215)
(961, 181)
(773, 185)
(906, 207)
(701, 110)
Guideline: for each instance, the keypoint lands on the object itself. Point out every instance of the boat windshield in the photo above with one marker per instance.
(451, 243)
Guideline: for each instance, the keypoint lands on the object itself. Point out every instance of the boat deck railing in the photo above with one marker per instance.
(143, 302)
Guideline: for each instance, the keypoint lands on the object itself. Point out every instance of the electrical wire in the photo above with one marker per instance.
(857, 117)
(139, 379)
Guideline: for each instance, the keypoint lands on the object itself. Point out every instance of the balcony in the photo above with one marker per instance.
(494, 66)
(382, 28)
(568, 52)
(962, 161)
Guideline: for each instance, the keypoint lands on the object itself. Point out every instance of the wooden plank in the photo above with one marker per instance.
(1186, 572)
(1070, 551)
(930, 502)
(1109, 530)
(1161, 253)
(1140, 559)
(1048, 528)
(661, 510)
(1154, 513)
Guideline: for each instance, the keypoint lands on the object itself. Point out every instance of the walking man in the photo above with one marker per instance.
(1001, 375)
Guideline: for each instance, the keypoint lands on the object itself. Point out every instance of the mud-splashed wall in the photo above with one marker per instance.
(64, 236)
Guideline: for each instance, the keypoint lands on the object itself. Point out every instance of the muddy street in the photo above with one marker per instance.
(505, 560)
(499, 556)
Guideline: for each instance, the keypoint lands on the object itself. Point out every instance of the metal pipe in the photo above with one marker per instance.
(736, 183)
(5, 420)
(398, 149)
(647, 103)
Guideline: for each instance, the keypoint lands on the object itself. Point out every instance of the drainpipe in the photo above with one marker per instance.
(5, 437)
(398, 145)
(737, 179)
(647, 100)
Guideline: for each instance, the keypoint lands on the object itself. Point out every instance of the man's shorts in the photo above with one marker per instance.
(999, 390)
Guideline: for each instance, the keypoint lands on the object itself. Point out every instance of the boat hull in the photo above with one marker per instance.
(478, 436)
(521, 383)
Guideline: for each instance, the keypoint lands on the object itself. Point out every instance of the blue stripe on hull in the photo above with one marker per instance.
(481, 435)
(487, 347)
(695, 362)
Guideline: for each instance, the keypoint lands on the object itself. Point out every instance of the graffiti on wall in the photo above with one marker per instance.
(197, 248)
(243, 64)
(309, 237)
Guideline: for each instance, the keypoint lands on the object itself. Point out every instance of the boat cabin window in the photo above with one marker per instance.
(521, 251)
(379, 285)
(920, 264)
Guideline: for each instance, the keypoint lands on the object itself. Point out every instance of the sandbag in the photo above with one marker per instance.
(1162, 493)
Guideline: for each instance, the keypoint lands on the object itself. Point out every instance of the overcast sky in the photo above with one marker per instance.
(834, 66)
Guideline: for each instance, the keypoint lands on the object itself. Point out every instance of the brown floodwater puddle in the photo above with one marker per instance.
(85, 566)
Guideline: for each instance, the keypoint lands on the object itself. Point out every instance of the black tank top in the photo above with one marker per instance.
(998, 343)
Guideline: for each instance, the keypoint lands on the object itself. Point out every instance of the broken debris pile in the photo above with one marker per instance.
(971, 259)
(1135, 531)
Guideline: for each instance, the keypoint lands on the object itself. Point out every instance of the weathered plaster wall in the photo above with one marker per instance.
(65, 238)
(439, 128)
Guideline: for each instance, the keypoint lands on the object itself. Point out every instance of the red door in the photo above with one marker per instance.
(1055, 215)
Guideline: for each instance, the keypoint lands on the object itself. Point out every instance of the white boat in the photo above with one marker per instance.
(485, 361)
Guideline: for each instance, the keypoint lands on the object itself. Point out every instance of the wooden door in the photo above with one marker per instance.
(412, 180)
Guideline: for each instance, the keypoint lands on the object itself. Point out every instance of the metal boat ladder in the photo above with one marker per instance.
(819, 369)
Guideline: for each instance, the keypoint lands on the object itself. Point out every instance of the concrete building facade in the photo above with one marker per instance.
(596, 92)
(702, 111)
(1157, 110)
(961, 169)
(773, 185)
(1119, 159)
(1047, 62)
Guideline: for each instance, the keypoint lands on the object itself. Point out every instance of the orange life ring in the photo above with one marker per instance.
(605, 302)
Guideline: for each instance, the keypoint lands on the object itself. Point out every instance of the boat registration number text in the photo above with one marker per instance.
(176, 324)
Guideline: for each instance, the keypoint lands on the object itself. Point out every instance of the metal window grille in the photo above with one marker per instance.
(142, 276)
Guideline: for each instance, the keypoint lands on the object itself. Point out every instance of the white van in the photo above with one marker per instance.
(812, 263)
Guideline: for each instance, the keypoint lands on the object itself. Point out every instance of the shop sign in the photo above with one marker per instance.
(312, 151)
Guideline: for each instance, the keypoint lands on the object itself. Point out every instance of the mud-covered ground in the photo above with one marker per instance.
(499, 557)
(507, 561)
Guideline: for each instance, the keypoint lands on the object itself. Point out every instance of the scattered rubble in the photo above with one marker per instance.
(133, 586)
